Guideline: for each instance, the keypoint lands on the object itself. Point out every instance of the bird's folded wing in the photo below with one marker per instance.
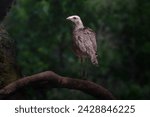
(84, 42)
(91, 34)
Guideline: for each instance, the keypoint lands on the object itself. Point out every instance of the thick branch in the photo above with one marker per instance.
(4, 7)
(58, 81)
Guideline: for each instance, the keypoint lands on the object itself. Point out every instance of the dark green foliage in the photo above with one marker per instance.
(43, 39)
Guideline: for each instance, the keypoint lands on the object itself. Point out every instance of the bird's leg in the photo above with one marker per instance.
(82, 68)
(85, 68)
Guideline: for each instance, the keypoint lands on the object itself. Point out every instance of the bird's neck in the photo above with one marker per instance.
(78, 25)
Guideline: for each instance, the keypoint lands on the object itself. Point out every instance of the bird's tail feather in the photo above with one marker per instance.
(94, 60)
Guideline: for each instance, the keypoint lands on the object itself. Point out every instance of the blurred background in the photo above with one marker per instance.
(43, 39)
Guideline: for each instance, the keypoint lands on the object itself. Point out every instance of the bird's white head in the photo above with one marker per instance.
(76, 20)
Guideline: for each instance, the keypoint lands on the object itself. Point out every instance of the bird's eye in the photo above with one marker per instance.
(74, 18)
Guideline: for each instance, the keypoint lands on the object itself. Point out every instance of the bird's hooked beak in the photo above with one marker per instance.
(68, 18)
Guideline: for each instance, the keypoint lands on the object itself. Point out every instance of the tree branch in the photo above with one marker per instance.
(58, 81)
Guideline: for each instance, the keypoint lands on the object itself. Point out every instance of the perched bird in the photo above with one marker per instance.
(84, 40)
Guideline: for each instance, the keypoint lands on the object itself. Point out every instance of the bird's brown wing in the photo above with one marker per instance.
(86, 41)
(85, 44)
(92, 37)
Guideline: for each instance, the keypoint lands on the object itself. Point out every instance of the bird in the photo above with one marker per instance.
(84, 40)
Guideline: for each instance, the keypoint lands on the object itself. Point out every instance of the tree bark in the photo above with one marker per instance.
(8, 71)
(8, 67)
